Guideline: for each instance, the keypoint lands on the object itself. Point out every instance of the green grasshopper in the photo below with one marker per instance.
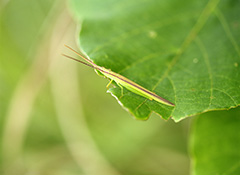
(121, 80)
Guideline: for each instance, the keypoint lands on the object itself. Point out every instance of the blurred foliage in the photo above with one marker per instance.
(215, 143)
(56, 117)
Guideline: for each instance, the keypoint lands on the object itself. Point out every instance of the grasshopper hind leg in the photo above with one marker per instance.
(118, 85)
(121, 89)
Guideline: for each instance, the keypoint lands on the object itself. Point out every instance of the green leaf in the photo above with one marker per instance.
(185, 51)
(216, 142)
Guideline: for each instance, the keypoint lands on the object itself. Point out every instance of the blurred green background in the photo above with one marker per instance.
(55, 114)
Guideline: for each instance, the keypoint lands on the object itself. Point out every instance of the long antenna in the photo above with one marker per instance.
(80, 61)
(94, 67)
(89, 61)
(91, 64)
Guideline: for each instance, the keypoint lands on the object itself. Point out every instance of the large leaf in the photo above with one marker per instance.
(185, 51)
(216, 142)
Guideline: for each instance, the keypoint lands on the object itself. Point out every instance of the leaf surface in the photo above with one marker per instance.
(215, 143)
(185, 51)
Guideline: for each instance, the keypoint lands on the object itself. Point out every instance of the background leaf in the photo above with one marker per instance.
(185, 51)
(215, 143)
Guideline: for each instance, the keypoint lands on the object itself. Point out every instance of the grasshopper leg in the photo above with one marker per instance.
(121, 89)
(110, 82)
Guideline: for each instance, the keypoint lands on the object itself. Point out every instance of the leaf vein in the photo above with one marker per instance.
(135, 31)
(227, 30)
(174, 89)
(207, 11)
(207, 62)
(227, 95)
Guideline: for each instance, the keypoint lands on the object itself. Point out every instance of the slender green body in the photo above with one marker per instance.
(123, 81)
(133, 87)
